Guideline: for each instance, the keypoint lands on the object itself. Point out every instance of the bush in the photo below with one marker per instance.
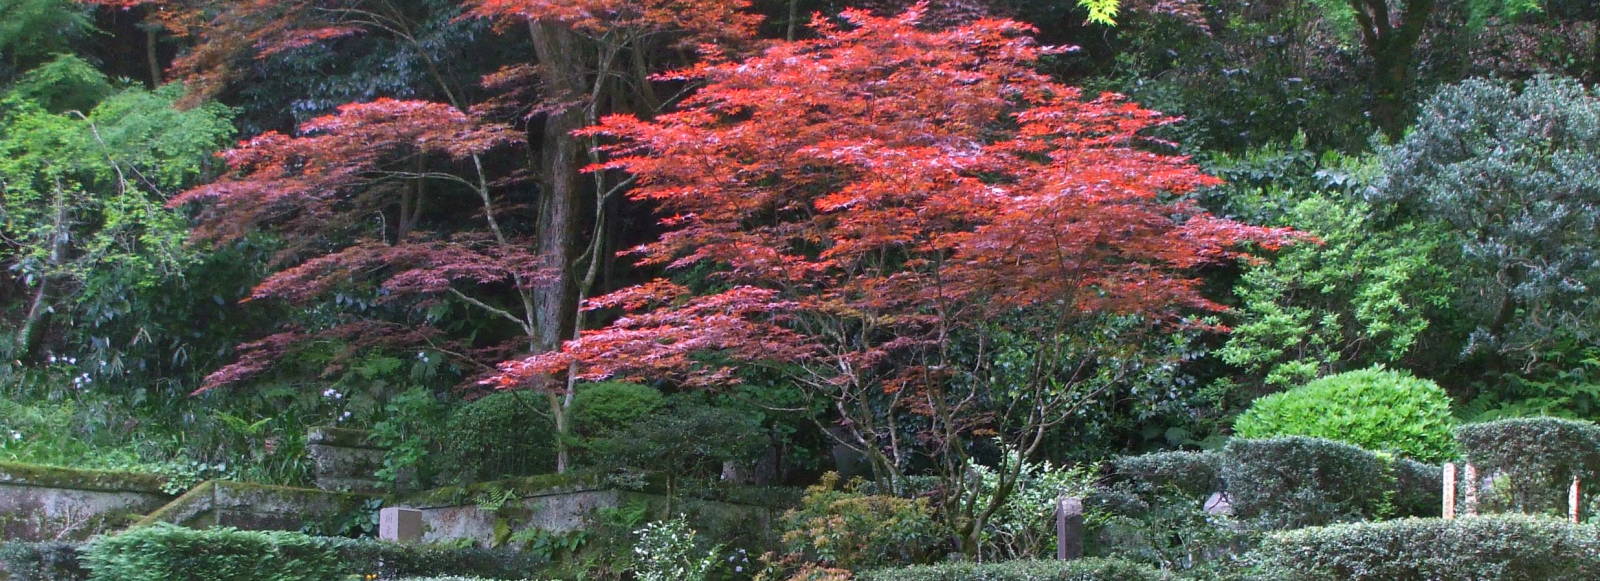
(505, 434)
(1091, 569)
(1373, 408)
(1293, 482)
(171, 553)
(599, 408)
(1503, 548)
(691, 440)
(41, 562)
(1196, 474)
(851, 530)
(1536, 459)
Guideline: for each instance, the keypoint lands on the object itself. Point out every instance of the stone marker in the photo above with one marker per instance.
(1470, 475)
(1449, 490)
(401, 525)
(1069, 528)
(1575, 501)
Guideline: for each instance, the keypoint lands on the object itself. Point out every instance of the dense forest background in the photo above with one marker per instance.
(400, 204)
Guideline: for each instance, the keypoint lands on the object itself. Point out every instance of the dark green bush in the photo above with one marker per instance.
(1091, 569)
(1536, 459)
(1374, 408)
(171, 553)
(505, 434)
(41, 562)
(688, 440)
(599, 408)
(1284, 483)
(1500, 548)
(1196, 474)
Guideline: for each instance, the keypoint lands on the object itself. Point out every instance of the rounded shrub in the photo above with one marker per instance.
(1533, 459)
(599, 408)
(503, 435)
(1499, 548)
(1373, 408)
(1090, 569)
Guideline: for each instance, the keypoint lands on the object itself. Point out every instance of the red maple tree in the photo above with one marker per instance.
(878, 208)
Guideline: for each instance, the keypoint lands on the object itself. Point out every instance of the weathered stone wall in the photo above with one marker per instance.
(44, 503)
(345, 460)
(560, 504)
(256, 506)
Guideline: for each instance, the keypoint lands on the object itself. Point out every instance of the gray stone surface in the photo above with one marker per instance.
(345, 460)
(40, 504)
(402, 525)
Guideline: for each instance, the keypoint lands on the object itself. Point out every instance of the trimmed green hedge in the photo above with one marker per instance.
(1285, 483)
(41, 562)
(171, 553)
(1090, 569)
(1373, 408)
(1499, 548)
(1196, 474)
(1537, 458)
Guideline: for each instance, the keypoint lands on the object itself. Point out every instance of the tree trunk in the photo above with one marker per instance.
(27, 338)
(560, 155)
(152, 59)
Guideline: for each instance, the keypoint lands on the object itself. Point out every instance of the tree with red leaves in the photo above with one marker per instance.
(915, 226)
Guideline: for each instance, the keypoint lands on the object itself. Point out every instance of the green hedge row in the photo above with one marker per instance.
(171, 553)
(1498, 548)
(1091, 569)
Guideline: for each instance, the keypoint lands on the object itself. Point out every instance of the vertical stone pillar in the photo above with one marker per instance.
(1069, 528)
(1449, 510)
(1470, 475)
(1575, 501)
(400, 525)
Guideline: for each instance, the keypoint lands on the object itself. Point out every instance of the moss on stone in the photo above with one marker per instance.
(522, 487)
(75, 479)
(341, 437)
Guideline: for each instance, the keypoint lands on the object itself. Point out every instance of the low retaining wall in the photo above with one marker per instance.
(560, 504)
(256, 506)
(40, 503)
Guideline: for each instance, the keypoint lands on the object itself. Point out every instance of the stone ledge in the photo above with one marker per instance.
(74, 479)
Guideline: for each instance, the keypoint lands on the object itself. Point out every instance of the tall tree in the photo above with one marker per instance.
(915, 225)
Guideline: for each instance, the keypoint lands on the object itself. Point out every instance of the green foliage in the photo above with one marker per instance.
(1090, 569)
(1507, 547)
(851, 530)
(1514, 177)
(669, 551)
(1535, 458)
(600, 408)
(408, 430)
(1192, 474)
(66, 83)
(42, 562)
(1373, 408)
(31, 29)
(1103, 12)
(1023, 527)
(1292, 482)
(688, 440)
(169, 553)
(1362, 296)
(503, 434)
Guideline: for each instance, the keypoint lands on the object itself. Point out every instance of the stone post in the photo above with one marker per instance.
(1575, 502)
(1449, 490)
(1470, 475)
(400, 525)
(1069, 528)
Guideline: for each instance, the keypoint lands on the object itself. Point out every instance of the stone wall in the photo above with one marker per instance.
(560, 504)
(257, 506)
(44, 503)
(345, 460)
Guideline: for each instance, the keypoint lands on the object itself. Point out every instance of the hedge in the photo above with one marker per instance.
(1537, 457)
(41, 562)
(1090, 569)
(1196, 474)
(1284, 483)
(1499, 548)
(171, 553)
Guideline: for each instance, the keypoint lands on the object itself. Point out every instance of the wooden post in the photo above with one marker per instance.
(1470, 475)
(1069, 528)
(1575, 502)
(1449, 511)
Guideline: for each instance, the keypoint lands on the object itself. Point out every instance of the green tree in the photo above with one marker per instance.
(1361, 297)
(1515, 178)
